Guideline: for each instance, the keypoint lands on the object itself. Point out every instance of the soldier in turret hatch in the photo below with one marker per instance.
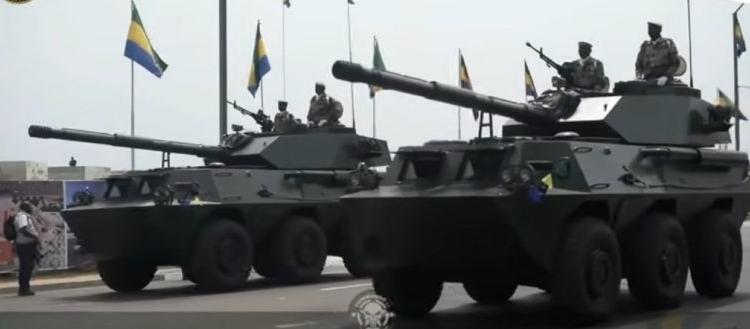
(588, 72)
(283, 120)
(658, 58)
(324, 110)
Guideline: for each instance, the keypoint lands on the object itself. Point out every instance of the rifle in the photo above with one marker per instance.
(564, 70)
(260, 118)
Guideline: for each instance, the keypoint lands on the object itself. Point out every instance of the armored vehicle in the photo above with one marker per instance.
(581, 191)
(261, 200)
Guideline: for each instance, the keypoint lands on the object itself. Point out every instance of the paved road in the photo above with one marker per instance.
(261, 304)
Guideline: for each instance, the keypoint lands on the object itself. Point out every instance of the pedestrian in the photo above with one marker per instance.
(26, 244)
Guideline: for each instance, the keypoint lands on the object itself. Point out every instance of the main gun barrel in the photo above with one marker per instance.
(127, 141)
(465, 98)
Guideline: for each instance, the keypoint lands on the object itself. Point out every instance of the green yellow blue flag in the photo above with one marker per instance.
(547, 180)
(463, 78)
(529, 82)
(260, 65)
(723, 100)
(377, 64)
(138, 46)
(739, 40)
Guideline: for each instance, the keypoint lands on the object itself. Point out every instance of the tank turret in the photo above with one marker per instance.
(637, 112)
(315, 148)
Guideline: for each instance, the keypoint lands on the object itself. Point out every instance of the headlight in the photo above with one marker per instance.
(524, 175)
(516, 176)
(507, 176)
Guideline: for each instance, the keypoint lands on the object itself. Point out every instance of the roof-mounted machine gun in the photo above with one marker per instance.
(263, 120)
(565, 70)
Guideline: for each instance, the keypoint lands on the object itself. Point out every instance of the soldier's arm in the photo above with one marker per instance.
(639, 59)
(600, 75)
(674, 59)
(311, 111)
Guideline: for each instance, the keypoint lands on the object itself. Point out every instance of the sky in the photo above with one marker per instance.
(62, 63)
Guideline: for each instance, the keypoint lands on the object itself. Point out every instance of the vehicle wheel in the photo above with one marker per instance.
(265, 262)
(715, 254)
(126, 276)
(186, 274)
(408, 294)
(656, 260)
(491, 293)
(352, 253)
(588, 274)
(222, 256)
(300, 251)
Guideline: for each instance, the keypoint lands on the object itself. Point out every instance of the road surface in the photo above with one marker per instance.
(262, 304)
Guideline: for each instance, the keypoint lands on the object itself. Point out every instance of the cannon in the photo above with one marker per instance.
(127, 141)
(582, 190)
(625, 115)
(266, 201)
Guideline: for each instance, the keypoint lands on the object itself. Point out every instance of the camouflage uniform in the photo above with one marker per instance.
(283, 121)
(324, 107)
(588, 73)
(657, 58)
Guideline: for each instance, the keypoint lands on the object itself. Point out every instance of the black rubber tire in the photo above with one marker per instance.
(356, 266)
(299, 249)
(496, 292)
(352, 252)
(186, 274)
(222, 256)
(264, 262)
(656, 260)
(126, 276)
(408, 294)
(715, 254)
(574, 295)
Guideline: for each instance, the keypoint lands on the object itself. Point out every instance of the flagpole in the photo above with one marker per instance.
(222, 68)
(373, 115)
(458, 108)
(132, 112)
(262, 102)
(283, 46)
(736, 84)
(351, 84)
(690, 45)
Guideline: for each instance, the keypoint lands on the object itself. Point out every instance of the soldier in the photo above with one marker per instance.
(658, 58)
(324, 110)
(588, 72)
(283, 120)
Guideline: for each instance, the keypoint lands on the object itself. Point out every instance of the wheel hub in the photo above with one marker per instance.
(306, 249)
(728, 255)
(230, 255)
(600, 272)
(670, 264)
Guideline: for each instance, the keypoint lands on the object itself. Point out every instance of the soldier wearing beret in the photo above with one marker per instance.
(588, 72)
(658, 58)
(283, 120)
(324, 110)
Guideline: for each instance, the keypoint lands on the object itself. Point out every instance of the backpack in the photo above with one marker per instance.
(9, 229)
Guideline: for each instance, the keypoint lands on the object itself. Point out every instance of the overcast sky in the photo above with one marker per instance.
(62, 63)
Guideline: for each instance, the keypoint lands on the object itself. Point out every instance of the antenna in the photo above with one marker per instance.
(690, 46)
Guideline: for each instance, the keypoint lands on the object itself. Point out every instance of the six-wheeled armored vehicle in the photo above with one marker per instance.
(261, 200)
(583, 189)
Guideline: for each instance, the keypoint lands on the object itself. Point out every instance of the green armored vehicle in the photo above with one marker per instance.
(581, 191)
(262, 200)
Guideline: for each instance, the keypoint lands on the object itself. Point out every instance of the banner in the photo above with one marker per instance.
(47, 199)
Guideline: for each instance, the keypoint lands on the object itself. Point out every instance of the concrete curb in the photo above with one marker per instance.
(66, 285)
